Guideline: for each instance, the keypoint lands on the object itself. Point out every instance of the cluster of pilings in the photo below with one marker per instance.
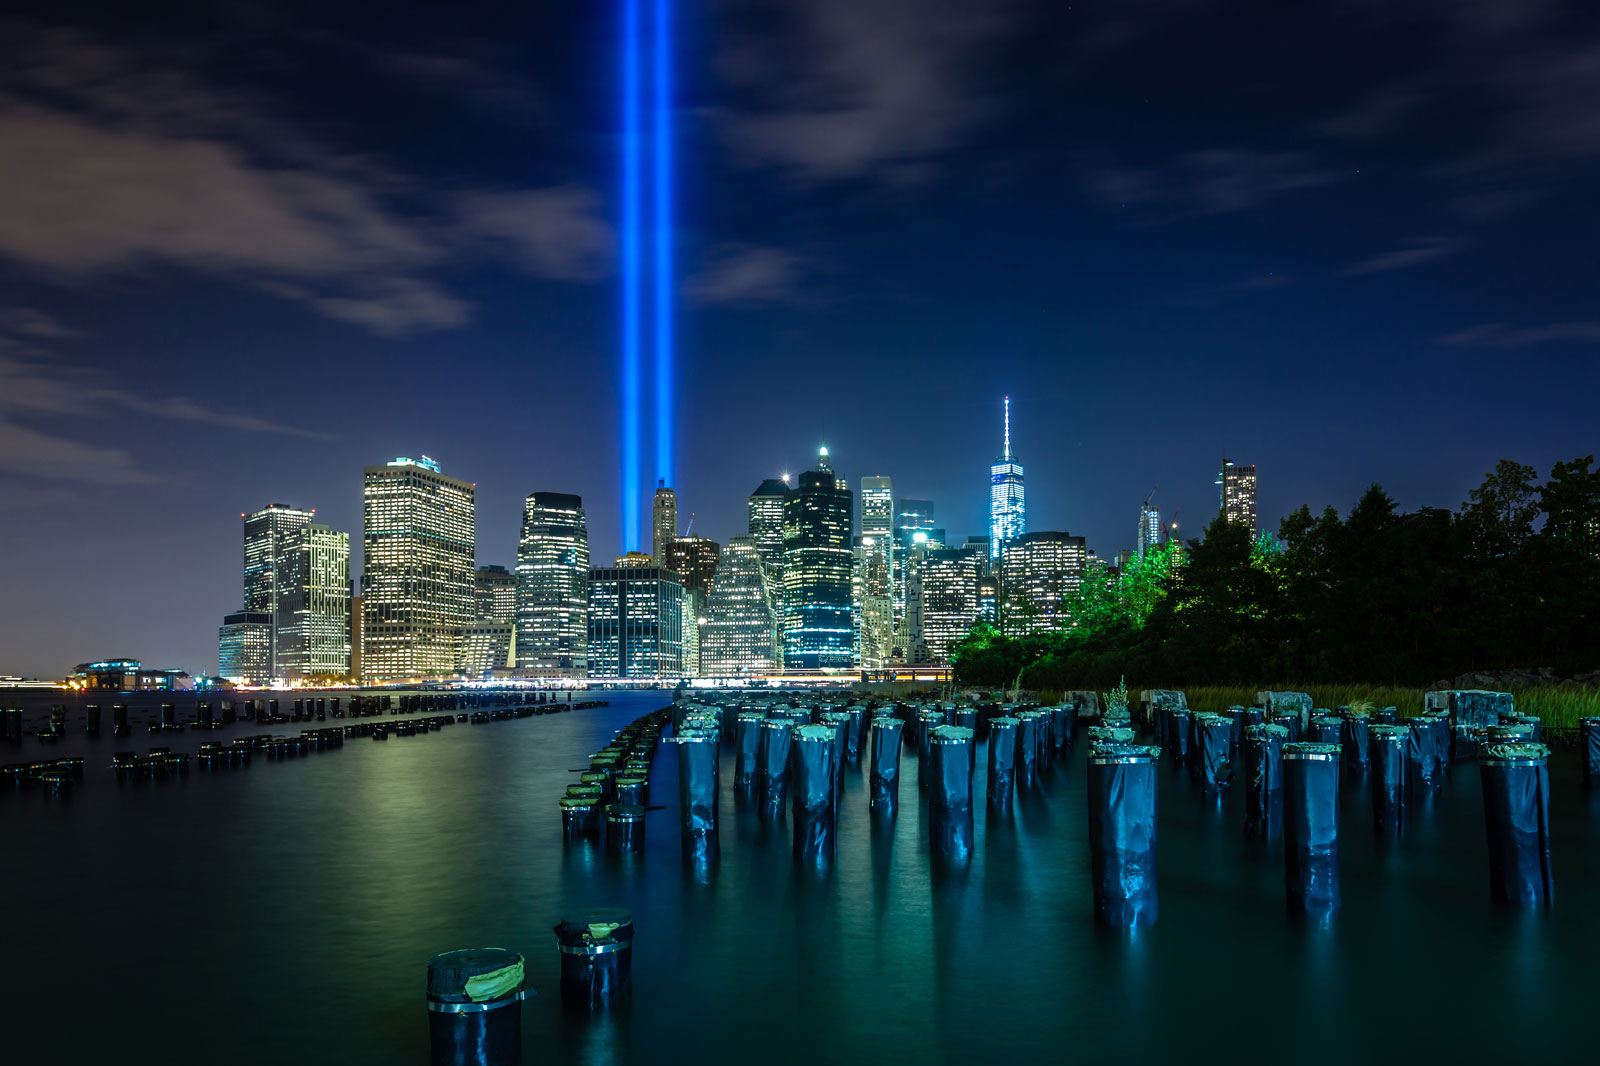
(612, 795)
(51, 776)
(1294, 760)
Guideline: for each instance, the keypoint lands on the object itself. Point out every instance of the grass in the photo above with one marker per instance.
(1556, 707)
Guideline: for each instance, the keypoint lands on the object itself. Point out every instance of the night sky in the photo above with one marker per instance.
(247, 249)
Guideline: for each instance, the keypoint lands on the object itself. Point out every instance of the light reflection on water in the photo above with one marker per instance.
(284, 912)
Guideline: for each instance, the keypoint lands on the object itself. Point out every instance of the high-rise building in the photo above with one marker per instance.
(552, 597)
(636, 619)
(1149, 530)
(980, 545)
(244, 648)
(989, 598)
(949, 592)
(419, 536)
(911, 517)
(1238, 494)
(694, 559)
(817, 518)
(871, 602)
(265, 534)
(663, 519)
(355, 638)
(1008, 510)
(742, 635)
(313, 630)
(766, 527)
(488, 644)
(494, 593)
(1039, 571)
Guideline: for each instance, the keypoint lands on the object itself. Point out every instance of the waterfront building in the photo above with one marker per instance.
(663, 519)
(1039, 570)
(766, 527)
(817, 547)
(1008, 511)
(244, 648)
(487, 645)
(636, 619)
(313, 621)
(419, 535)
(694, 559)
(552, 586)
(948, 580)
(1238, 494)
(355, 638)
(266, 533)
(494, 593)
(129, 675)
(743, 634)
(872, 605)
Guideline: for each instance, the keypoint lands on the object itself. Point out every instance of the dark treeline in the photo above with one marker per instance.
(1512, 578)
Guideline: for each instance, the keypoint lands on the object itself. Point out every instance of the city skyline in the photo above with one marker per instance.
(1162, 264)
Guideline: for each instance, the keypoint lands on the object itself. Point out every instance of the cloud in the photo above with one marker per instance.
(107, 165)
(31, 322)
(834, 89)
(27, 451)
(746, 274)
(1215, 181)
(1415, 253)
(1499, 335)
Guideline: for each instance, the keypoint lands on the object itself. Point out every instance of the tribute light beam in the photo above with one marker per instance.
(663, 237)
(631, 205)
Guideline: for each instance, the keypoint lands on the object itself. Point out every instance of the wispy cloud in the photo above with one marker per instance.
(1413, 254)
(746, 274)
(108, 165)
(1216, 181)
(1499, 335)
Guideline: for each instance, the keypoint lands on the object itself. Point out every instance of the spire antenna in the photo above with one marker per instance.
(1008, 428)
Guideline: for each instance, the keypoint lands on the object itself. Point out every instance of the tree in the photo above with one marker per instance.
(1571, 504)
(1499, 513)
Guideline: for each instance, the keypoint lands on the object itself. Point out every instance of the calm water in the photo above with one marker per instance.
(284, 912)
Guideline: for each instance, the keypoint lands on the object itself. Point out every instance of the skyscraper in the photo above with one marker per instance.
(742, 635)
(873, 606)
(552, 598)
(419, 535)
(636, 618)
(817, 518)
(1008, 511)
(766, 528)
(1039, 570)
(265, 534)
(244, 648)
(313, 631)
(911, 517)
(487, 645)
(877, 535)
(1238, 494)
(694, 559)
(663, 519)
(494, 593)
(1149, 537)
(949, 585)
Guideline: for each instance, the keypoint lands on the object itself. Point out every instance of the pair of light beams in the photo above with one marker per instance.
(647, 275)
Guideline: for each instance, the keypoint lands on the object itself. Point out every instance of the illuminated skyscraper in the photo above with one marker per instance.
(1039, 570)
(487, 645)
(244, 648)
(1008, 510)
(694, 559)
(742, 635)
(1149, 530)
(266, 532)
(313, 635)
(494, 593)
(552, 608)
(817, 518)
(663, 519)
(636, 619)
(911, 517)
(766, 528)
(872, 606)
(948, 579)
(1238, 494)
(419, 534)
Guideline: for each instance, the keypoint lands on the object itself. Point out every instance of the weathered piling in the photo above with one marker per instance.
(1589, 749)
(1122, 835)
(1263, 765)
(624, 828)
(1389, 764)
(747, 752)
(1027, 761)
(950, 794)
(886, 731)
(1002, 761)
(1516, 808)
(473, 1007)
(1213, 768)
(1180, 729)
(1354, 733)
(1423, 754)
(596, 957)
(1311, 829)
(812, 752)
(774, 755)
(697, 797)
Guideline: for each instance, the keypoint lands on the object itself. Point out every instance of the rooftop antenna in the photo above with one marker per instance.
(690, 531)
(1008, 428)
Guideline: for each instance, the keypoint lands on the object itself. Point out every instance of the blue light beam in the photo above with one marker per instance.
(632, 173)
(663, 236)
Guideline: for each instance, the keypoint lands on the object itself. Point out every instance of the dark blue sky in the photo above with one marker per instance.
(247, 249)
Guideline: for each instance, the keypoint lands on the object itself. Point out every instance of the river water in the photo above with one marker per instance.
(284, 912)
